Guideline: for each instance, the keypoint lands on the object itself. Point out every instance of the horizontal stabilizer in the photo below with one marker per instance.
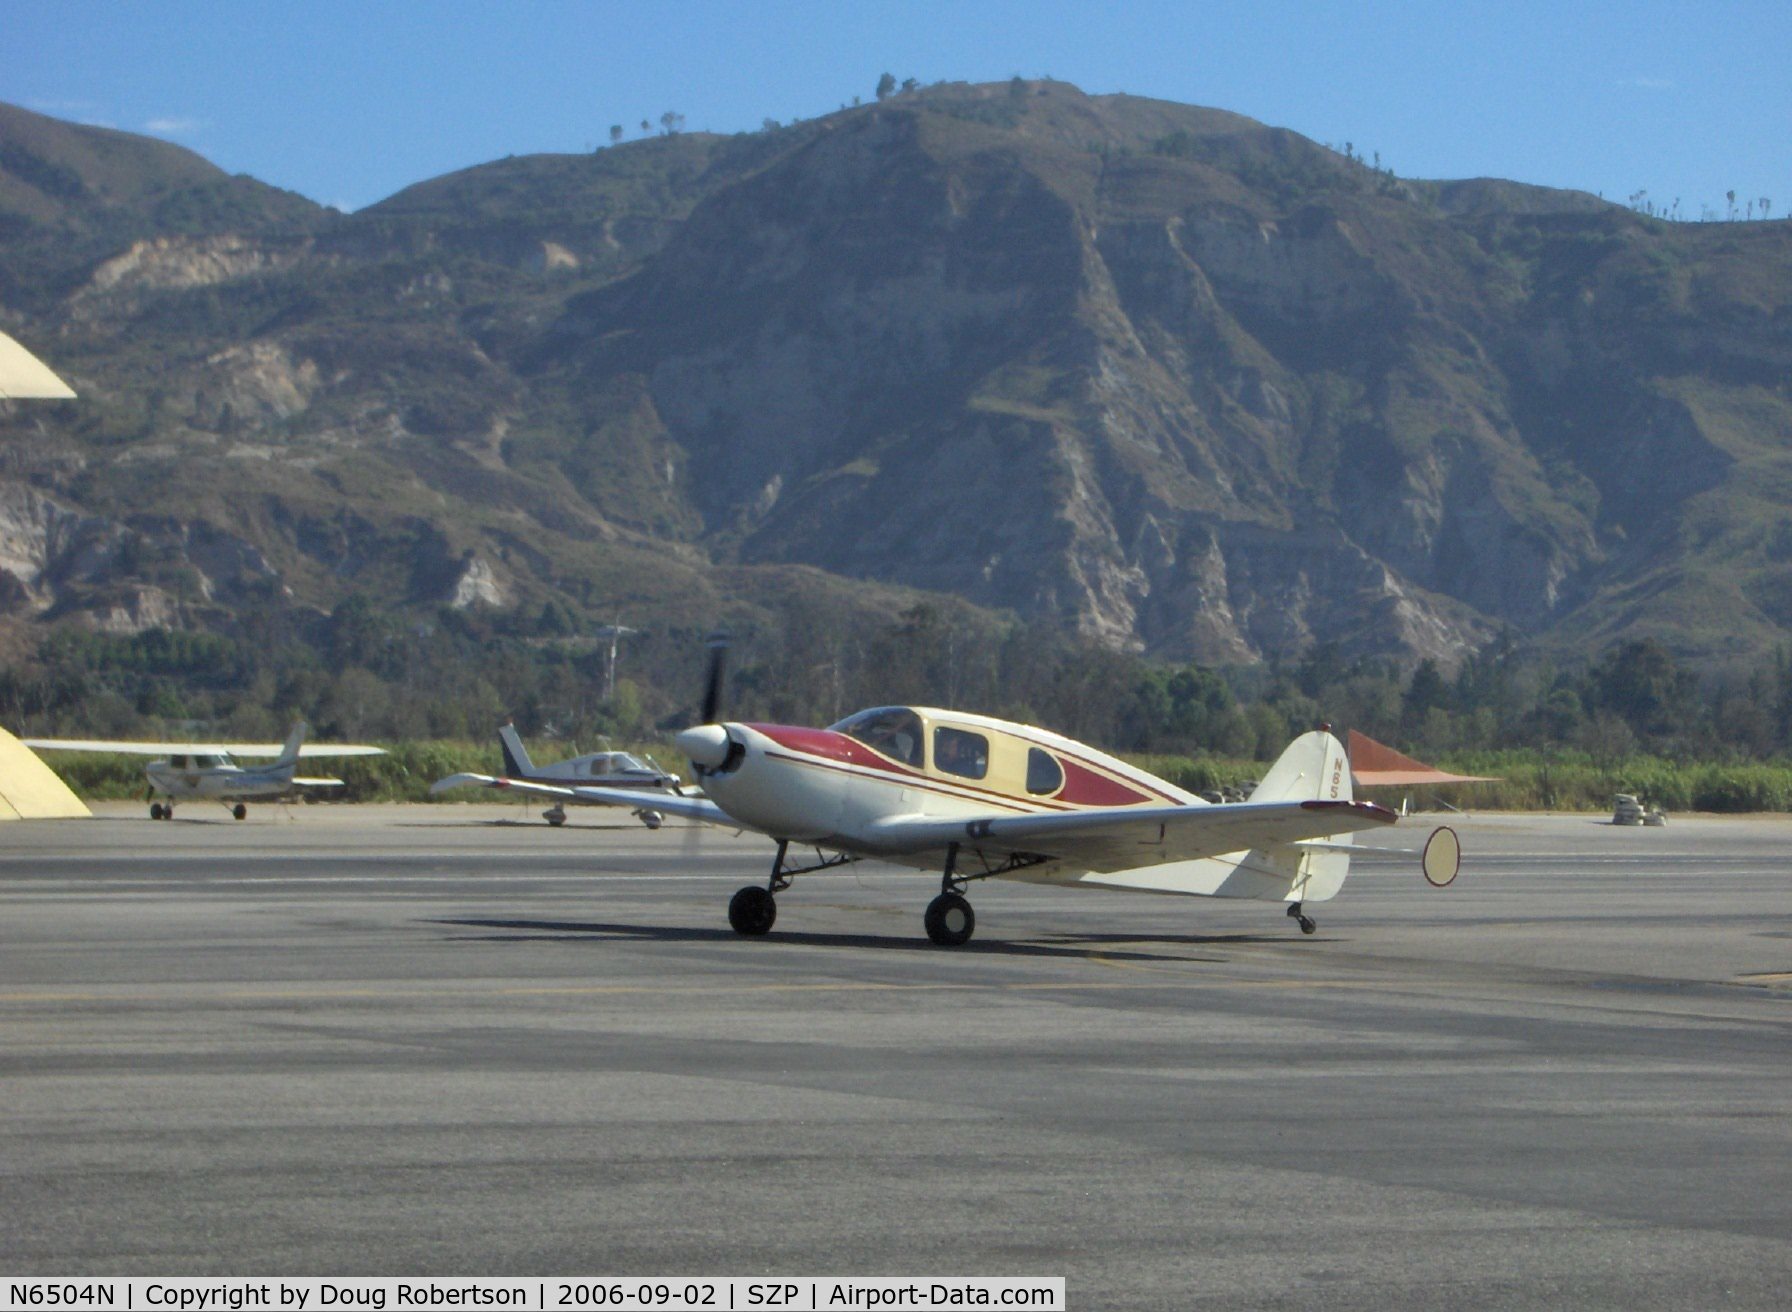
(1376, 765)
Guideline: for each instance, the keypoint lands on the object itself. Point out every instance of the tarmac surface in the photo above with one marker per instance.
(450, 1040)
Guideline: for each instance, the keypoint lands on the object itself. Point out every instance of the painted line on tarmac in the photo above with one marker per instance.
(135, 994)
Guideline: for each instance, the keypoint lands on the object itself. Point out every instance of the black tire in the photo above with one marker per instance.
(752, 911)
(949, 920)
(240, 811)
(1307, 925)
(155, 811)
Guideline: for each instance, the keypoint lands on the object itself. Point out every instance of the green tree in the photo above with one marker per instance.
(1640, 683)
(885, 86)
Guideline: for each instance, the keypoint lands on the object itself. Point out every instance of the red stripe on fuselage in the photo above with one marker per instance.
(1084, 787)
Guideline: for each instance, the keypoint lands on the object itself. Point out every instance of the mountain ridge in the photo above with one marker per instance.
(1174, 379)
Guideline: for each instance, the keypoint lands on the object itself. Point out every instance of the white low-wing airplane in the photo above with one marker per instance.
(196, 770)
(578, 779)
(980, 798)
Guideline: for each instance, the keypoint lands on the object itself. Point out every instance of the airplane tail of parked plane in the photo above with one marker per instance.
(517, 764)
(288, 760)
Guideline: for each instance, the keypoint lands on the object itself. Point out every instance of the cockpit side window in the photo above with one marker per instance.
(1044, 774)
(960, 752)
(893, 730)
(178, 762)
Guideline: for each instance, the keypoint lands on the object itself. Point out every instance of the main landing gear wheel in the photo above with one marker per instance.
(949, 920)
(555, 815)
(159, 812)
(239, 811)
(1307, 923)
(752, 911)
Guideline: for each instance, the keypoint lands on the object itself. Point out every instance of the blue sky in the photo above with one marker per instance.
(350, 102)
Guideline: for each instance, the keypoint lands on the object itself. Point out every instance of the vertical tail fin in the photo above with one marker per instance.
(288, 759)
(1314, 767)
(517, 764)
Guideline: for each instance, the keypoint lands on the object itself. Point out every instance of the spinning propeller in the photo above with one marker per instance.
(706, 744)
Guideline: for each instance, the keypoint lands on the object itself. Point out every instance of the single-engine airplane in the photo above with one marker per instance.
(193, 770)
(979, 798)
(573, 780)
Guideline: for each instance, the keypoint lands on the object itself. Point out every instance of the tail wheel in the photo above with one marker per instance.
(949, 920)
(752, 911)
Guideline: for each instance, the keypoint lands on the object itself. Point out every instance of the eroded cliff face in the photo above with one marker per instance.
(1040, 379)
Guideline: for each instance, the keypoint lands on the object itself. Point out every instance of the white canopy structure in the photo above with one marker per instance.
(24, 376)
(29, 789)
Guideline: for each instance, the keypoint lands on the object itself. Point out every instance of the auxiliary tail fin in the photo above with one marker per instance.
(517, 764)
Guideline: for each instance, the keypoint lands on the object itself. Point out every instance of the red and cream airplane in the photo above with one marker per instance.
(980, 798)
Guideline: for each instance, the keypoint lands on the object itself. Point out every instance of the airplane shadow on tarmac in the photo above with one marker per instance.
(1063, 945)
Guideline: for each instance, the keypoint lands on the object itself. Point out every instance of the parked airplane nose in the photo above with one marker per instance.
(704, 744)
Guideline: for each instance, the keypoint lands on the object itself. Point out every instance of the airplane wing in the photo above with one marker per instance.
(198, 749)
(134, 749)
(688, 808)
(1108, 840)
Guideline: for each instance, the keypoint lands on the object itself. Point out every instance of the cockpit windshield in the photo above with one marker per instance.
(607, 763)
(893, 730)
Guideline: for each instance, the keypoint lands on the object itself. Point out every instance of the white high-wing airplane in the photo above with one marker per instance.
(576, 779)
(194, 770)
(980, 798)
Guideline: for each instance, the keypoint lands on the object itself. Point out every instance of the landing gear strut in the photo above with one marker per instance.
(1307, 923)
(752, 910)
(949, 920)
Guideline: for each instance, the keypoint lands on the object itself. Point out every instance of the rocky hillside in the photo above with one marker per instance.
(1180, 380)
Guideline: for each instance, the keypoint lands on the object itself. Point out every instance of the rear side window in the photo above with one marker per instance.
(1044, 774)
(960, 752)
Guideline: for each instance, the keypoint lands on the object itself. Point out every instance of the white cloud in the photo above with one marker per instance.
(173, 127)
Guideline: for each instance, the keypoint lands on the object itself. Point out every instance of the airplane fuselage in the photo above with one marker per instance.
(215, 780)
(830, 788)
